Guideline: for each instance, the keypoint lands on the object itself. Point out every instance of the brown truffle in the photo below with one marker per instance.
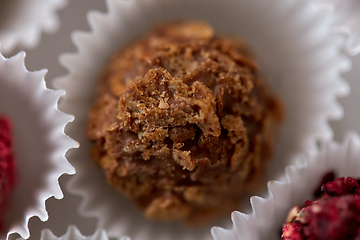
(182, 122)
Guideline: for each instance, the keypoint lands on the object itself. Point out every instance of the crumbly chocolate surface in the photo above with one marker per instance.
(334, 216)
(182, 123)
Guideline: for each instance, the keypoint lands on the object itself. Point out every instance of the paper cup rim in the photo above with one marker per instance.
(252, 226)
(29, 88)
(346, 22)
(28, 34)
(99, 22)
(73, 233)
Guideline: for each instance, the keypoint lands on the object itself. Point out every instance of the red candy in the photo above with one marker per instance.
(7, 164)
(341, 186)
(335, 216)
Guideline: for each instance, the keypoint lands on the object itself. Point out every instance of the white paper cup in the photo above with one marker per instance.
(39, 143)
(297, 186)
(346, 21)
(74, 234)
(22, 22)
(299, 55)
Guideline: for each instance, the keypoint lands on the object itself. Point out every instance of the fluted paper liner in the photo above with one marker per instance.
(39, 143)
(74, 234)
(299, 55)
(22, 22)
(297, 186)
(346, 22)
